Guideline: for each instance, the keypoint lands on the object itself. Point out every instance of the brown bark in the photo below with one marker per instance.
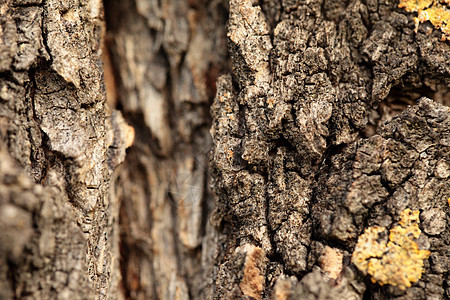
(59, 147)
(166, 56)
(302, 163)
(312, 142)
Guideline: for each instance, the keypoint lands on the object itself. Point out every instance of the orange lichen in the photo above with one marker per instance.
(399, 261)
(435, 11)
(230, 155)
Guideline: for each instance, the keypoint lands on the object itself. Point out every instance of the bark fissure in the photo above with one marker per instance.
(317, 131)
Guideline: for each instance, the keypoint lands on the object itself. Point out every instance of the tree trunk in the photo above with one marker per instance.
(166, 57)
(319, 144)
(307, 176)
(59, 147)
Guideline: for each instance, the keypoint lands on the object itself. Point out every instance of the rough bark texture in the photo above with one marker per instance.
(301, 163)
(59, 146)
(317, 133)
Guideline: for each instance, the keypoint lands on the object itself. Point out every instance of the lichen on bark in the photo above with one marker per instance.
(398, 262)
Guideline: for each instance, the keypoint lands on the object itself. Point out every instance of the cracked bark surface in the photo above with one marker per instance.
(305, 157)
(314, 133)
(59, 147)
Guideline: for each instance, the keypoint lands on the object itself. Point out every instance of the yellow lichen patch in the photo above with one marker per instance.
(409, 217)
(435, 11)
(399, 261)
(415, 5)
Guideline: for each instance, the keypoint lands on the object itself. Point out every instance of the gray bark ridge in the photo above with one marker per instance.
(296, 173)
(59, 147)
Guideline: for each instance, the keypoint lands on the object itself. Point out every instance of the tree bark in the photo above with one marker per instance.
(59, 147)
(256, 184)
(303, 164)
(166, 57)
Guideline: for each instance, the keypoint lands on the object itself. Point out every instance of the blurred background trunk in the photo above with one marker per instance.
(165, 57)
